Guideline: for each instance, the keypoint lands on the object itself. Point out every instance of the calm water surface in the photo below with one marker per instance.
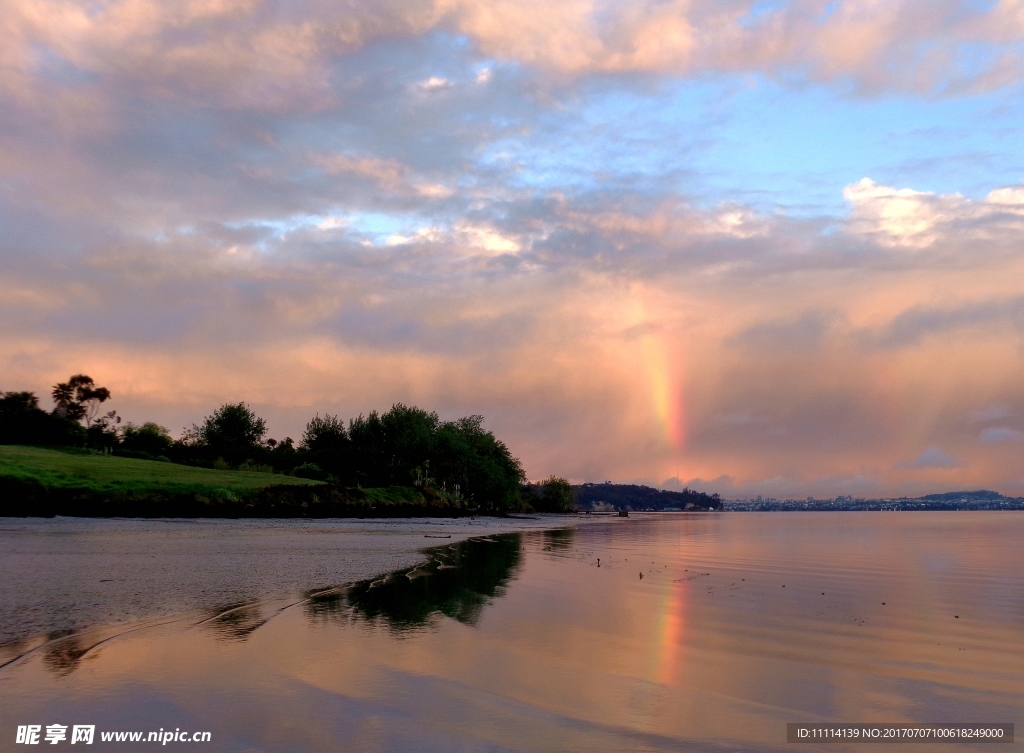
(740, 624)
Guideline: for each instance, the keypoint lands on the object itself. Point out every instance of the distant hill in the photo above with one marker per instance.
(981, 499)
(956, 496)
(636, 497)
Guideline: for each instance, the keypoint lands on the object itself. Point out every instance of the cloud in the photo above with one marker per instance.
(491, 313)
(907, 44)
(386, 173)
(808, 333)
(465, 237)
(915, 323)
(932, 457)
(990, 413)
(996, 434)
(917, 219)
(740, 418)
(509, 210)
(434, 83)
(263, 55)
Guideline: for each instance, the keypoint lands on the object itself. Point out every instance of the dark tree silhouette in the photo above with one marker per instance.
(234, 432)
(23, 422)
(102, 433)
(79, 398)
(406, 446)
(555, 494)
(326, 445)
(149, 438)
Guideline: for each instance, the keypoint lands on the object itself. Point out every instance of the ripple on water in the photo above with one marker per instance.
(521, 642)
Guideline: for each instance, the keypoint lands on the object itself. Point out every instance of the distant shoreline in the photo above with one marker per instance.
(951, 501)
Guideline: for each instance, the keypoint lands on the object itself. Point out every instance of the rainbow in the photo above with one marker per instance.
(671, 630)
(665, 384)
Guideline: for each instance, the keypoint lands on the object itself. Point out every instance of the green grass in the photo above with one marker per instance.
(389, 496)
(54, 468)
(43, 482)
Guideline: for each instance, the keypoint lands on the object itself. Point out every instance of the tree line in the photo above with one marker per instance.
(403, 446)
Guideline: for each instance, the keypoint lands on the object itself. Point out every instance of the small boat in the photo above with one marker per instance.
(623, 513)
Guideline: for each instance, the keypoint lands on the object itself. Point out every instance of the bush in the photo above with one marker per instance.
(553, 495)
(22, 421)
(150, 438)
(103, 435)
(559, 496)
(249, 465)
(310, 470)
(282, 455)
(135, 454)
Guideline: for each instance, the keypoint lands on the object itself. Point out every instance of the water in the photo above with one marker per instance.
(66, 574)
(740, 624)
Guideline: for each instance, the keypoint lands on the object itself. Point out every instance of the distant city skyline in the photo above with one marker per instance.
(746, 247)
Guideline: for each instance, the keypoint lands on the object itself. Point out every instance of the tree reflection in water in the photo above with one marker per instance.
(457, 581)
(559, 539)
(63, 655)
(236, 623)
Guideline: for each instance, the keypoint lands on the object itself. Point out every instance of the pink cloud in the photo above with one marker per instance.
(251, 53)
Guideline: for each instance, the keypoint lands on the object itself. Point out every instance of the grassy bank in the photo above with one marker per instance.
(45, 482)
(60, 468)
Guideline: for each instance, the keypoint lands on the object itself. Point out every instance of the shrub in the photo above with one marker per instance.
(310, 470)
(558, 495)
(150, 438)
(22, 421)
(254, 467)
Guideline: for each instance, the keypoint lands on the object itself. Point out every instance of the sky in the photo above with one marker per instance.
(750, 247)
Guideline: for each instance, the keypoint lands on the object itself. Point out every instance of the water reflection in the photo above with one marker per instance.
(741, 624)
(236, 622)
(12, 649)
(559, 540)
(457, 582)
(63, 655)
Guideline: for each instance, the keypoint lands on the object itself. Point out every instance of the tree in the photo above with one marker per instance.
(557, 495)
(408, 445)
(150, 438)
(282, 455)
(479, 464)
(102, 433)
(79, 399)
(19, 402)
(368, 450)
(409, 438)
(325, 444)
(233, 432)
(23, 422)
